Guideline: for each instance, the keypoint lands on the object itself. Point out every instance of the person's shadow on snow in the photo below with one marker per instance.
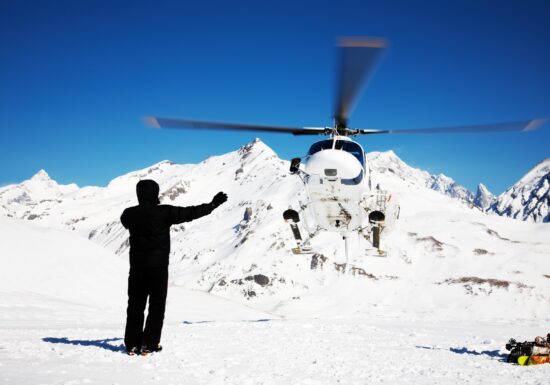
(104, 344)
(490, 353)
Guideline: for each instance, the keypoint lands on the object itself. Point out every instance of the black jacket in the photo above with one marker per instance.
(149, 224)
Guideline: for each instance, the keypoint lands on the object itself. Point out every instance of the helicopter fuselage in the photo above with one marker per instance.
(336, 182)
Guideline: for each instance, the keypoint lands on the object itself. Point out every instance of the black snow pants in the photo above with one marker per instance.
(143, 283)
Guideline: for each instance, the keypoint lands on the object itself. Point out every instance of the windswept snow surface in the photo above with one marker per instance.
(242, 309)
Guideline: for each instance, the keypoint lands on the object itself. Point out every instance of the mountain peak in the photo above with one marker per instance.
(482, 189)
(390, 154)
(256, 142)
(384, 159)
(42, 176)
(483, 198)
(256, 146)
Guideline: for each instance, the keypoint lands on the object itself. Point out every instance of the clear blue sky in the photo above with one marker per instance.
(77, 76)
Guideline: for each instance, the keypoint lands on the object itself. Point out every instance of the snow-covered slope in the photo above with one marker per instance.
(440, 245)
(46, 271)
(456, 284)
(529, 198)
(55, 277)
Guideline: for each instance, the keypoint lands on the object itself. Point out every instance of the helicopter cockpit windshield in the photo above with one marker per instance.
(344, 145)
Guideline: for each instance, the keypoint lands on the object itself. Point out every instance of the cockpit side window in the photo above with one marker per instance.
(351, 147)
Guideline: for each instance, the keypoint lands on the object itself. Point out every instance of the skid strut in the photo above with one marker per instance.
(292, 217)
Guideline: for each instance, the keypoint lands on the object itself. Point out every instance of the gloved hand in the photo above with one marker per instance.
(219, 198)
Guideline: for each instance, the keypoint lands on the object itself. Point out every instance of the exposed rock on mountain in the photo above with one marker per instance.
(529, 198)
(483, 198)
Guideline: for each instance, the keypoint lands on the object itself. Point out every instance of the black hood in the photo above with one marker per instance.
(147, 192)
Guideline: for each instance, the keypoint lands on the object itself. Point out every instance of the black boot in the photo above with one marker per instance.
(133, 351)
(145, 350)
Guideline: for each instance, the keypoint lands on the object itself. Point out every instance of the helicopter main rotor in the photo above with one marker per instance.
(359, 57)
(171, 123)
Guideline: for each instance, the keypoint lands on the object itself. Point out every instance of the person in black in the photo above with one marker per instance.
(149, 224)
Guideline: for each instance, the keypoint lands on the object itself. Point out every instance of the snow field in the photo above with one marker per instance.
(302, 351)
(456, 285)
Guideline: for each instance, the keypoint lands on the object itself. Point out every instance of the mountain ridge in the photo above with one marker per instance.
(42, 187)
(242, 251)
(529, 198)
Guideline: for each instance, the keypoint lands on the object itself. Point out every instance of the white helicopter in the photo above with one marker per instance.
(335, 172)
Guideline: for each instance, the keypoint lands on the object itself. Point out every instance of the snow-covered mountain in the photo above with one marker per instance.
(18, 200)
(243, 252)
(43, 200)
(483, 198)
(529, 198)
(455, 286)
(388, 161)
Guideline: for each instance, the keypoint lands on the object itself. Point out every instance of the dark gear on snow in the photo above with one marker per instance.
(149, 224)
(529, 352)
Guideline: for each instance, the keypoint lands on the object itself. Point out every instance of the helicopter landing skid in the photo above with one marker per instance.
(292, 217)
(376, 251)
(302, 250)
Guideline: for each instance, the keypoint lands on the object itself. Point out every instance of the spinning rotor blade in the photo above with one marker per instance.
(156, 122)
(524, 125)
(358, 58)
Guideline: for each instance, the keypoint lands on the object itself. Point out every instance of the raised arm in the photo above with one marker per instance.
(189, 213)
